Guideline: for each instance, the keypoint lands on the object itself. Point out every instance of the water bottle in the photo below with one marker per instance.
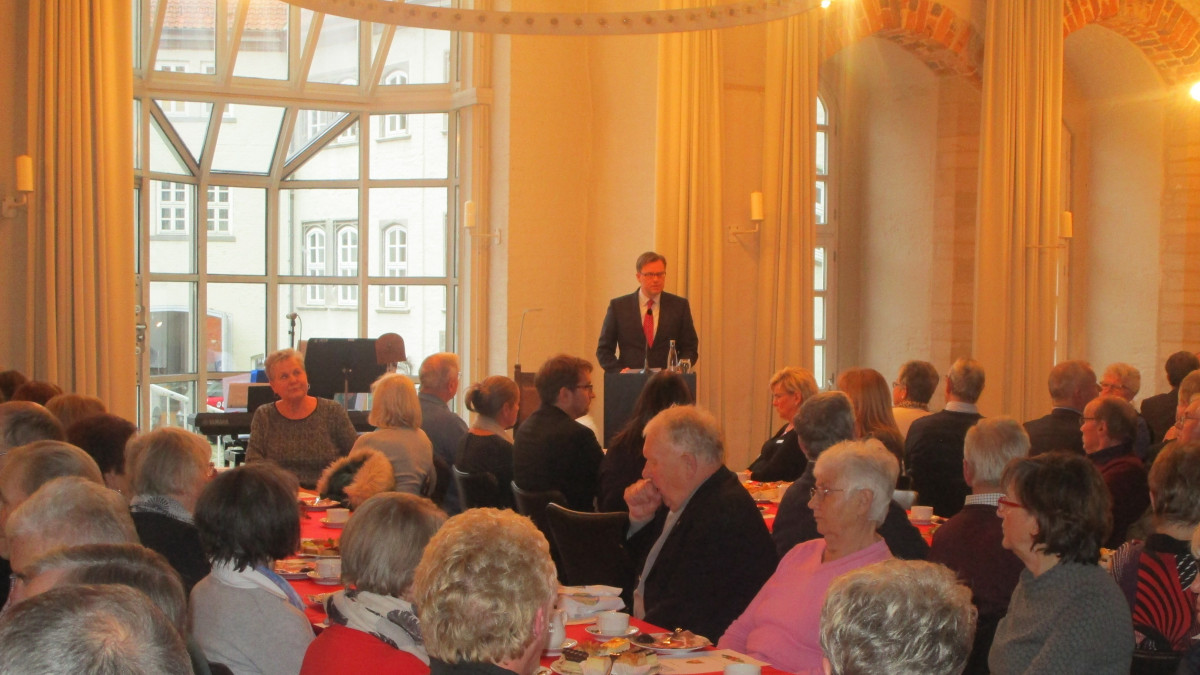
(672, 359)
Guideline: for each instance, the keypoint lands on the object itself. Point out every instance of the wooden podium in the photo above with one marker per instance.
(621, 391)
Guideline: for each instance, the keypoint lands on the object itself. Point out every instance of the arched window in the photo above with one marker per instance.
(824, 254)
(395, 125)
(395, 264)
(314, 264)
(347, 264)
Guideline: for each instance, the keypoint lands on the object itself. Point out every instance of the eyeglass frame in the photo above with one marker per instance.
(824, 492)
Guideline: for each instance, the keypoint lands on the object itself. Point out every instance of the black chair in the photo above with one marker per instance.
(533, 506)
(1154, 663)
(440, 486)
(477, 490)
(591, 547)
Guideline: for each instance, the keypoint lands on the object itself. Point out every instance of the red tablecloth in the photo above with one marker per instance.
(311, 528)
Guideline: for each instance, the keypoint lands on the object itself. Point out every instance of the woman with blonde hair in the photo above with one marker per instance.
(396, 415)
(781, 457)
(872, 398)
(488, 447)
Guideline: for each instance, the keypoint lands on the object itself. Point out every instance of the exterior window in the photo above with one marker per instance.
(823, 255)
(395, 125)
(314, 264)
(173, 107)
(347, 238)
(172, 208)
(218, 209)
(395, 264)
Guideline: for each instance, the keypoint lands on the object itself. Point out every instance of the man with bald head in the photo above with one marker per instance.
(23, 422)
(1072, 385)
(1108, 429)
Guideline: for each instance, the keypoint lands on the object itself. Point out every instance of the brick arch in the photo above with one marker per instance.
(931, 31)
(1164, 30)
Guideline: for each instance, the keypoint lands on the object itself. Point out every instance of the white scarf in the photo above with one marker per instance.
(390, 619)
(256, 577)
(485, 423)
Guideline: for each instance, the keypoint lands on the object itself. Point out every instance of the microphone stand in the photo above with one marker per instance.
(521, 335)
(292, 329)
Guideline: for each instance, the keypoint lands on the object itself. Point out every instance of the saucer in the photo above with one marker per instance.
(566, 644)
(324, 581)
(333, 526)
(595, 630)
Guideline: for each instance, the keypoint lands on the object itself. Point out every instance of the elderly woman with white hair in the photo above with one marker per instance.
(854, 483)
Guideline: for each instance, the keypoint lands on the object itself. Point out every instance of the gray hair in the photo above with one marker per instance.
(1129, 377)
(989, 446)
(38, 463)
(823, 421)
(23, 422)
(864, 465)
(278, 357)
(907, 617)
(1068, 377)
(690, 430)
(169, 461)
(383, 542)
(72, 511)
(437, 370)
(966, 379)
(90, 629)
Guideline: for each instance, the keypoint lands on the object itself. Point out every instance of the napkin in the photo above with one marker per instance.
(584, 601)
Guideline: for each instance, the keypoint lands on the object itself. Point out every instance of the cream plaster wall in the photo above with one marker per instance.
(13, 47)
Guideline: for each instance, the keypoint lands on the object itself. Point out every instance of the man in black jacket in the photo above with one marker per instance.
(1072, 386)
(1159, 410)
(934, 446)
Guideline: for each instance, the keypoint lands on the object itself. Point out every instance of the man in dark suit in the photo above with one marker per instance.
(933, 448)
(646, 317)
(700, 542)
(1072, 386)
(1109, 424)
(551, 450)
(1159, 410)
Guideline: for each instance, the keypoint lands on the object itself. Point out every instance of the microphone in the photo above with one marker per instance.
(292, 316)
(521, 335)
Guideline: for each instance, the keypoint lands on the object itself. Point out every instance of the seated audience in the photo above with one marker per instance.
(396, 415)
(824, 421)
(855, 480)
(243, 614)
(623, 462)
(36, 391)
(1123, 380)
(552, 451)
(484, 591)
(103, 437)
(69, 511)
(1109, 424)
(1072, 385)
(487, 447)
(914, 386)
(781, 457)
(1156, 575)
(373, 627)
(1188, 388)
(90, 629)
(933, 450)
(9, 381)
(897, 616)
(439, 375)
(971, 543)
(1067, 614)
(70, 408)
(170, 472)
(22, 423)
(301, 433)
(868, 392)
(1160, 410)
(695, 533)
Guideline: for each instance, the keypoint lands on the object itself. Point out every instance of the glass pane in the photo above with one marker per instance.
(311, 124)
(822, 154)
(331, 320)
(163, 157)
(237, 230)
(819, 366)
(172, 327)
(188, 31)
(421, 213)
(235, 332)
(247, 139)
(423, 56)
(336, 58)
(423, 327)
(264, 49)
(137, 229)
(409, 146)
(819, 317)
(190, 120)
(822, 115)
(171, 403)
(137, 133)
(308, 242)
(819, 269)
(214, 396)
(337, 160)
(822, 204)
(172, 227)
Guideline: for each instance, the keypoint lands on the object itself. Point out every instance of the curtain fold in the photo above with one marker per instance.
(81, 285)
(784, 329)
(1019, 204)
(688, 227)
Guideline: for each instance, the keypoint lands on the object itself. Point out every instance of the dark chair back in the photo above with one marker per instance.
(1154, 663)
(440, 486)
(477, 490)
(591, 547)
(533, 506)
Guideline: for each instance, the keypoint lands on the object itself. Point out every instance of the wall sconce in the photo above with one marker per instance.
(468, 220)
(756, 216)
(24, 165)
(1066, 225)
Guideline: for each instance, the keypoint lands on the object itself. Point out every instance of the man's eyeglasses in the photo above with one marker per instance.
(820, 493)
(589, 387)
(1009, 504)
(653, 275)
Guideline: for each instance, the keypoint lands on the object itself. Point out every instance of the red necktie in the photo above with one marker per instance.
(648, 323)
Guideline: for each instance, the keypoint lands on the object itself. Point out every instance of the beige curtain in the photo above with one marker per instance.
(1020, 170)
(81, 292)
(784, 335)
(688, 190)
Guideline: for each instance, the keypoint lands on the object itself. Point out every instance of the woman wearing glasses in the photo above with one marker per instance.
(1067, 615)
(854, 483)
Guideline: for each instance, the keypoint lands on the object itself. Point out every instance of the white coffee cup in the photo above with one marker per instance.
(329, 568)
(612, 623)
(558, 630)
(922, 514)
(337, 515)
(743, 669)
